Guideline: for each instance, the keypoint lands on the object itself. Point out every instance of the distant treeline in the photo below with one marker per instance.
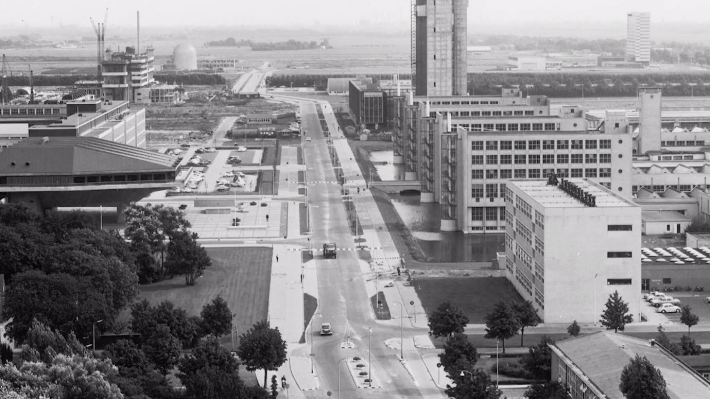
(549, 84)
(267, 46)
(202, 79)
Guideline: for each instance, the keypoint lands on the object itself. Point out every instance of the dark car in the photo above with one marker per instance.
(183, 207)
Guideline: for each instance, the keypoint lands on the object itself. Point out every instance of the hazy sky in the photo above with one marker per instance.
(162, 13)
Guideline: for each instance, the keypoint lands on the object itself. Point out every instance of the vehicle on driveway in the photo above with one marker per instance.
(655, 294)
(200, 151)
(325, 329)
(329, 249)
(222, 188)
(228, 174)
(210, 149)
(308, 139)
(183, 207)
(668, 308)
(657, 302)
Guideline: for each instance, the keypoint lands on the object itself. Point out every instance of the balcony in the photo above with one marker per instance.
(114, 73)
(115, 86)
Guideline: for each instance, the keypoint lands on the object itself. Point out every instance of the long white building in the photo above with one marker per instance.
(570, 245)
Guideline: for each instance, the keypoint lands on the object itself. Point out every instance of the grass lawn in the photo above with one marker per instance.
(240, 275)
(382, 312)
(474, 296)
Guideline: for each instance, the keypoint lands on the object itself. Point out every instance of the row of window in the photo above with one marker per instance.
(524, 257)
(618, 254)
(509, 127)
(491, 213)
(491, 190)
(493, 145)
(619, 227)
(539, 272)
(30, 111)
(539, 220)
(689, 143)
(541, 173)
(507, 112)
(539, 298)
(539, 246)
(482, 102)
(524, 281)
(524, 232)
(522, 159)
(523, 207)
(662, 188)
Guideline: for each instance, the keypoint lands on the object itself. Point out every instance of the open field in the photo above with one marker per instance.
(240, 275)
(474, 296)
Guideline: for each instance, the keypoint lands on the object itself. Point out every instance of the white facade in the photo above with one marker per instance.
(567, 253)
(638, 37)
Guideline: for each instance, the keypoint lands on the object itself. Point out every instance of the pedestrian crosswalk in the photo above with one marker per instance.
(339, 249)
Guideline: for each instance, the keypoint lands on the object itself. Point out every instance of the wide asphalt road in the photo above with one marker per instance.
(342, 296)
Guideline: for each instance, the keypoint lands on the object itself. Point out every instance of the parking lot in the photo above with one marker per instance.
(253, 221)
(697, 301)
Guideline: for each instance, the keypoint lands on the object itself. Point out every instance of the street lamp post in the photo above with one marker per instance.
(369, 355)
(93, 335)
(234, 328)
(497, 340)
(339, 375)
(101, 218)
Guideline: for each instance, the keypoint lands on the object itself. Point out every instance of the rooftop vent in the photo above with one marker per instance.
(27, 164)
(45, 140)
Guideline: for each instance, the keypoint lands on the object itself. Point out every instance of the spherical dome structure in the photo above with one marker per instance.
(185, 57)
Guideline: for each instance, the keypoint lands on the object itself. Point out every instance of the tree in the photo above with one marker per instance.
(573, 329)
(146, 318)
(43, 344)
(615, 316)
(548, 390)
(527, 316)
(446, 320)
(641, 380)
(187, 257)
(208, 353)
(472, 383)
(662, 339)
(457, 347)
(502, 323)
(262, 348)
(688, 346)
(538, 360)
(274, 387)
(163, 349)
(688, 318)
(216, 317)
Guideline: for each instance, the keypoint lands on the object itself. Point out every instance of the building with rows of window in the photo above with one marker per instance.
(568, 246)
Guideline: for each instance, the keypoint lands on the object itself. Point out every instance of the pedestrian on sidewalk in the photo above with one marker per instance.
(267, 218)
(277, 259)
(399, 272)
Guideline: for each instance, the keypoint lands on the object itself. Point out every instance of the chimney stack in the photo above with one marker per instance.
(138, 29)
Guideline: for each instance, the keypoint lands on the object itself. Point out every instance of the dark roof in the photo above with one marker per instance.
(79, 155)
(601, 356)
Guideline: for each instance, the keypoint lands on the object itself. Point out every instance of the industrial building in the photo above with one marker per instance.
(590, 366)
(161, 94)
(439, 47)
(184, 57)
(638, 37)
(217, 63)
(126, 72)
(574, 240)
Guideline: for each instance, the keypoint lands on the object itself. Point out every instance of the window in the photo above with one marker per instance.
(520, 159)
(477, 191)
(523, 207)
(604, 144)
(518, 113)
(477, 174)
(486, 113)
(619, 227)
(497, 113)
(563, 172)
(577, 145)
(491, 145)
(509, 219)
(604, 158)
(534, 173)
(529, 113)
(521, 145)
(512, 127)
(590, 158)
(561, 144)
(501, 127)
(666, 281)
(524, 232)
(537, 127)
(501, 210)
(533, 144)
(476, 214)
(539, 246)
(618, 254)
(524, 126)
(492, 214)
(551, 126)
(618, 281)
(476, 145)
(539, 220)
(506, 159)
(590, 144)
(576, 173)
(577, 158)
(506, 145)
(591, 172)
(491, 190)
(562, 158)
(520, 173)
(548, 144)
(548, 158)
(477, 159)
(476, 127)
(534, 158)
(506, 174)
(491, 173)
(492, 159)
(605, 172)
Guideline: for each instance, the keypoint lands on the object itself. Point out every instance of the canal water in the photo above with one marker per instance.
(423, 220)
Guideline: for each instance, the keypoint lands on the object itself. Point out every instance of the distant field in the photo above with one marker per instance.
(240, 275)
(474, 296)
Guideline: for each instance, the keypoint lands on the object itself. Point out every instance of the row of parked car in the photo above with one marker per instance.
(664, 303)
(237, 180)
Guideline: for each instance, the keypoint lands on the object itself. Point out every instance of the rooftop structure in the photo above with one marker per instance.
(185, 57)
(569, 194)
(591, 366)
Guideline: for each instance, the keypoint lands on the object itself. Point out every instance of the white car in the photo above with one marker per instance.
(223, 182)
(657, 302)
(308, 139)
(187, 190)
(175, 189)
(668, 308)
(241, 149)
(655, 294)
(228, 174)
(237, 183)
(222, 187)
(210, 150)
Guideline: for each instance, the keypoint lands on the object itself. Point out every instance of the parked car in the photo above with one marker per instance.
(668, 308)
(390, 284)
(234, 161)
(200, 151)
(187, 190)
(655, 294)
(237, 184)
(228, 174)
(210, 149)
(222, 188)
(325, 329)
(657, 302)
(182, 207)
(175, 189)
(185, 145)
(239, 174)
(308, 139)
(241, 149)
(223, 182)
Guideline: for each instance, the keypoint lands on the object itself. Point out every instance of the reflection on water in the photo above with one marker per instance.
(424, 220)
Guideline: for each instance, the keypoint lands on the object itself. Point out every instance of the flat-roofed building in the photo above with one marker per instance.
(11, 133)
(126, 72)
(367, 102)
(638, 37)
(570, 245)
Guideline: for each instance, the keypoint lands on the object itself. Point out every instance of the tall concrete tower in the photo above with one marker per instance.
(650, 100)
(638, 37)
(440, 46)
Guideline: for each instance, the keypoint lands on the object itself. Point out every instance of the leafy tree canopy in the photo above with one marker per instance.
(447, 320)
(615, 316)
(262, 348)
(502, 323)
(641, 380)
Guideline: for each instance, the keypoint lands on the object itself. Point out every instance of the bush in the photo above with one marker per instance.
(511, 368)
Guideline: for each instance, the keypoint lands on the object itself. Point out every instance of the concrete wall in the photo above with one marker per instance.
(650, 117)
(693, 275)
(660, 227)
(697, 240)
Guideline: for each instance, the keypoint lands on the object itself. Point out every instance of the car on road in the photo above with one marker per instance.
(308, 139)
(325, 329)
(185, 145)
(390, 284)
(329, 249)
(668, 308)
(175, 189)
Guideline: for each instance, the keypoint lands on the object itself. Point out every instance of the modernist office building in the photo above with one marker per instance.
(367, 102)
(440, 47)
(126, 72)
(638, 37)
(601, 253)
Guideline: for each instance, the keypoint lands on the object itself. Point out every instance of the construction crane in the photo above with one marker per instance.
(6, 95)
(100, 30)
